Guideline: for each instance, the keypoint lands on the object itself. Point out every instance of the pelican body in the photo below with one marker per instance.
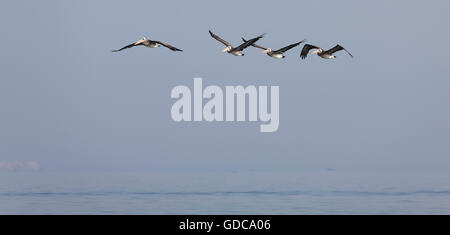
(278, 54)
(237, 51)
(148, 43)
(326, 54)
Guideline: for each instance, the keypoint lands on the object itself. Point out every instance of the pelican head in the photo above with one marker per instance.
(316, 51)
(227, 49)
(143, 39)
(266, 51)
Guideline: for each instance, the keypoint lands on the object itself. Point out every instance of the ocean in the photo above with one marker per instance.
(326, 191)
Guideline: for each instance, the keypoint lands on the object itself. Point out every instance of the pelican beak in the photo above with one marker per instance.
(265, 52)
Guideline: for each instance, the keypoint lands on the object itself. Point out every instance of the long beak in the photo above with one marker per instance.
(225, 50)
(266, 51)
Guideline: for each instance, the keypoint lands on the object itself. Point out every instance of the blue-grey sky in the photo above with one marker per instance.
(67, 102)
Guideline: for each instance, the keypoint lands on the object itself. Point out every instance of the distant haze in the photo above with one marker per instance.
(19, 166)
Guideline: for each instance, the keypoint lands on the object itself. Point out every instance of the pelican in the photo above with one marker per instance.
(237, 51)
(278, 54)
(321, 52)
(148, 43)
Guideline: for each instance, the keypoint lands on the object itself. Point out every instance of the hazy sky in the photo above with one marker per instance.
(67, 102)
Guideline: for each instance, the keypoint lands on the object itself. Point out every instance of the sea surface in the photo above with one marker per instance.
(326, 191)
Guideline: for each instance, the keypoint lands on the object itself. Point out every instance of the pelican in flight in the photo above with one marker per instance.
(148, 43)
(321, 52)
(278, 54)
(237, 51)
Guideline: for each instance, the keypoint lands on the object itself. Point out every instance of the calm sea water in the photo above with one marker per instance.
(310, 192)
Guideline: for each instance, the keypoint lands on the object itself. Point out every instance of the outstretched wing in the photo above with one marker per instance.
(126, 47)
(336, 49)
(220, 39)
(168, 46)
(284, 49)
(254, 45)
(306, 50)
(248, 43)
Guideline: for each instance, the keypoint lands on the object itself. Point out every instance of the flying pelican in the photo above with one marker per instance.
(148, 43)
(278, 54)
(237, 51)
(321, 52)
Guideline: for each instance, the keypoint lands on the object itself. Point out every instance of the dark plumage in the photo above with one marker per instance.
(235, 50)
(148, 43)
(277, 53)
(322, 53)
(306, 49)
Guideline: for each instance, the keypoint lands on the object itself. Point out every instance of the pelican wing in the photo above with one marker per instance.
(248, 43)
(126, 47)
(254, 45)
(168, 46)
(336, 49)
(284, 49)
(220, 39)
(306, 50)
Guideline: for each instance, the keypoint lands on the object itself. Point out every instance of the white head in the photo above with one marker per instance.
(227, 49)
(143, 39)
(316, 51)
(266, 51)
